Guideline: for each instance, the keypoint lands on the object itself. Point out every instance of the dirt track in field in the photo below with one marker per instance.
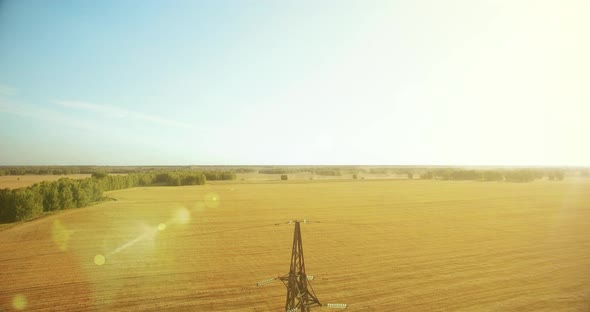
(378, 246)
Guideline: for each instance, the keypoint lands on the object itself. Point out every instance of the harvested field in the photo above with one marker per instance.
(405, 245)
(18, 181)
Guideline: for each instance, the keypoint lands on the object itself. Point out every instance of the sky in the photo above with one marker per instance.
(295, 82)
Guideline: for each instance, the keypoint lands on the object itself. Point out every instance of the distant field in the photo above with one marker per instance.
(406, 245)
(311, 176)
(18, 181)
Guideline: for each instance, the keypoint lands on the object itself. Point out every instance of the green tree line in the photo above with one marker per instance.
(65, 170)
(509, 175)
(30, 202)
(42, 170)
(325, 171)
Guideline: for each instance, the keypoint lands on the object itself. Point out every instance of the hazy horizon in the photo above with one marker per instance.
(303, 165)
(424, 83)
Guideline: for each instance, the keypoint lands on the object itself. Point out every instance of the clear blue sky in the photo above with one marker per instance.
(295, 82)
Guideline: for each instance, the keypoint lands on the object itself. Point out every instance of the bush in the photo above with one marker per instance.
(284, 177)
(99, 174)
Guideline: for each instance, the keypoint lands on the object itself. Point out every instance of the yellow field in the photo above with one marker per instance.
(405, 245)
(18, 181)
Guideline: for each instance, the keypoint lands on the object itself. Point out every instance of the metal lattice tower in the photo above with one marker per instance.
(300, 294)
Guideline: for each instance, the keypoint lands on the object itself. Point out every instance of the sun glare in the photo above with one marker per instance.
(99, 259)
(19, 302)
(182, 216)
(211, 200)
(60, 235)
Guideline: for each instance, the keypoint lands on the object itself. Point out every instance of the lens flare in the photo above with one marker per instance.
(182, 216)
(60, 235)
(99, 259)
(19, 302)
(148, 234)
(212, 200)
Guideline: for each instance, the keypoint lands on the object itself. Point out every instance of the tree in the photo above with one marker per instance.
(7, 212)
(27, 204)
(66, 196)
(81, 197)
(50, 195)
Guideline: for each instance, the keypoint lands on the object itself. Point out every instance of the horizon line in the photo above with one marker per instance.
(308, 165)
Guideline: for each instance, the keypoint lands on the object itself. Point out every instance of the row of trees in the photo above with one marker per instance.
(274, 171)
(178, 178)
(30, 202)
(41, 170)
(509, 175)
(555, 175)
(219, 175)
(319, 170)
(325, 171)
(65, 170)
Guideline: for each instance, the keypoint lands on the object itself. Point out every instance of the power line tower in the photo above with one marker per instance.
(300, 294)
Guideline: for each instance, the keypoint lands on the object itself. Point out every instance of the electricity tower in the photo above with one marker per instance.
(300, 294)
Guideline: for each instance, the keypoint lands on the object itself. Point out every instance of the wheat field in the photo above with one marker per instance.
(376, 245)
